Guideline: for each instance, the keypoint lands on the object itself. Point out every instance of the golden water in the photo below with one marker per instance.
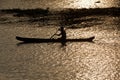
(49, 61)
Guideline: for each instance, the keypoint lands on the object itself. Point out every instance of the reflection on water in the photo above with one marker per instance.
(90, 3)
(50, 61)
(58, 4)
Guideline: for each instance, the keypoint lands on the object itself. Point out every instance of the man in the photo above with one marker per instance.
(63, 36)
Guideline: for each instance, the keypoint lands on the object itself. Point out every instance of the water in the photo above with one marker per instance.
(49, 61)
(58, 4)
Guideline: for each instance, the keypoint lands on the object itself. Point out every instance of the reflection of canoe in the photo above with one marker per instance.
(42, 40)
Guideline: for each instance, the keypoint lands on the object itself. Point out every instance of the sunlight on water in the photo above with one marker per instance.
(91, 3)
(49, 61)
(58, 3)
(97, 60)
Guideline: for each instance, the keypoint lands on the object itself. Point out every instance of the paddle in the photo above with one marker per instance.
(54, 34)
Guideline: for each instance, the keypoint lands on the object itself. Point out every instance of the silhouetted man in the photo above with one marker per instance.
(63, 36)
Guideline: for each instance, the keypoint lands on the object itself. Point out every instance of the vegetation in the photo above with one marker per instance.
(113, 11)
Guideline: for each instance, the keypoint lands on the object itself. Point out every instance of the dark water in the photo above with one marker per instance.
(49, 61)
